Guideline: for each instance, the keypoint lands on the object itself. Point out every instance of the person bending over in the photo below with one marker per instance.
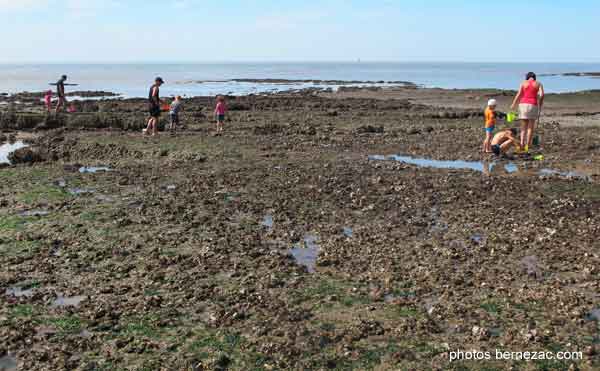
(503, 141)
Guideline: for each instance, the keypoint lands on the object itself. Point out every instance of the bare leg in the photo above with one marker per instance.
(59, 105)
(504, 147)
(530, 132)
(149, 125)
(487, 145)
(154, 126)
(524, 124)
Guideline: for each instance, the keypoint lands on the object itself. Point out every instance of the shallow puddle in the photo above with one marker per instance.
(594, 315)
(565, 174)
(480, 166)
(430, 304)
(93, 169)
(495, 332)
(8, 148)
(67, 301)
(267, 221)
(80, 191)
(8, 363)
(531, 266)
(478, 239)
(440, 164)
(390, 298)
(307, 256)
(348, 232)
(30, 213)
(396, 297)
(19, 292)
(105, 198)
(86, 334)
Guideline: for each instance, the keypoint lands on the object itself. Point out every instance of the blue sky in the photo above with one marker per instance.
(295, 30)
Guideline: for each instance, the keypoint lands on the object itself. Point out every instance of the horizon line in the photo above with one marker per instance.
(284, 61)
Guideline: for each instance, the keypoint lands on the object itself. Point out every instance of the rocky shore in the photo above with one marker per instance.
(296, 241)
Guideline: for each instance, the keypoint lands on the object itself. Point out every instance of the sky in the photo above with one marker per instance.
(80, 31)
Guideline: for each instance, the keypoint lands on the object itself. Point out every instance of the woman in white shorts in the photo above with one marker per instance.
(531, 99)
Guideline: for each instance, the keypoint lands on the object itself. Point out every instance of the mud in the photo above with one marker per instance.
(181, 267)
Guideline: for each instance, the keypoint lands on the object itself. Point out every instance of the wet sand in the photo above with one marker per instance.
(184, 251)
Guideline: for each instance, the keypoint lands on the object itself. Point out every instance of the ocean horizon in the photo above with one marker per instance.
(209, 78)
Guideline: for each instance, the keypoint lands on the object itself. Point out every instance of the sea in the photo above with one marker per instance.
(202, 79)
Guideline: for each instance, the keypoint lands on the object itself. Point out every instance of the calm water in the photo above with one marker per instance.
(133, 80)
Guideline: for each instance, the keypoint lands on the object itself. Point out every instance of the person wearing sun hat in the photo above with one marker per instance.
(154, 106)
(490, 125)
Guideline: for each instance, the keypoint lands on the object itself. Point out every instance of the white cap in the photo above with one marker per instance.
(492, 102)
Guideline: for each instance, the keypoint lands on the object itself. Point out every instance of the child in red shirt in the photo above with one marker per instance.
(220, 111)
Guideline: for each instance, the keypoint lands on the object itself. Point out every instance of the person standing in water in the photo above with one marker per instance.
(154, 107)
(530, 99)
(60, 92)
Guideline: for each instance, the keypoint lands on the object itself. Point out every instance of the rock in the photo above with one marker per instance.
(370, 129)
(25, 155)
(236, 106)
(480, 333)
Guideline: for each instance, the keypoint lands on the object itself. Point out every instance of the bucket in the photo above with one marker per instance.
(511, 116)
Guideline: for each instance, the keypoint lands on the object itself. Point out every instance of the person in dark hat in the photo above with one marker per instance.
(60, 92)
(154, 106)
